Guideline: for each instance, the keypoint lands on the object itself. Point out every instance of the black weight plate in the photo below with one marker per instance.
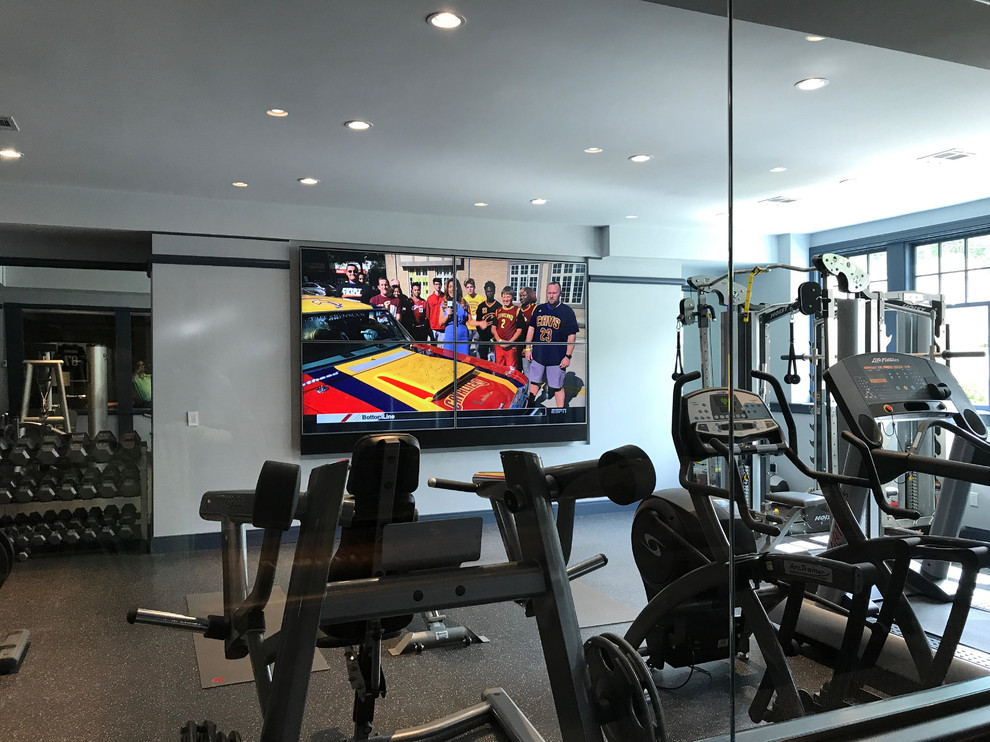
(7, 557)
(624, 714)
(650, 693)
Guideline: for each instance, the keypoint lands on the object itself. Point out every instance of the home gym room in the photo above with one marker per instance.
(770, 224)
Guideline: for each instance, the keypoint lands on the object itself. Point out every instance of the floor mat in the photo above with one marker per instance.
(595, 608)
(215, 669)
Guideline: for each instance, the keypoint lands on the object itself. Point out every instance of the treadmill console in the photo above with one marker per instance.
(708, 414)
(892, 387)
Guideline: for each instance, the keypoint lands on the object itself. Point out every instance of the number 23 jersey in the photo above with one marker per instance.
(552, 324)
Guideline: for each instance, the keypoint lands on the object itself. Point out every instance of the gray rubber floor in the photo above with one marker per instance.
(90, 676)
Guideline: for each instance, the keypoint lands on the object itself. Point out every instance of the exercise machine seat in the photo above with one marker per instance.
(361, 539)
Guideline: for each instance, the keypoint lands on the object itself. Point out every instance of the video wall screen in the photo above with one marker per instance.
(460, 351)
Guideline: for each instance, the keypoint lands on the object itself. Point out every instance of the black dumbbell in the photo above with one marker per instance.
(80, 448)
(68, 488)
(24, 450)
(108, 533)
(88, 533)
(52, 448)
(56, 534)
(22, 549)
(130, 446)
(7, 487)
(25, 491)
(129, 513)
(48, 486)
(130, 481)
(40, 535)
(23, 538)
(129, 531)
(110, 482)
(104, 446)
(89, 487)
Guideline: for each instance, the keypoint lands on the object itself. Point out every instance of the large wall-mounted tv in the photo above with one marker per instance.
(436, 345)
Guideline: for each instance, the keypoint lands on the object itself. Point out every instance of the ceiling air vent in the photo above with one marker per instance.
(778, 200)
(7, 123)
(948, 155)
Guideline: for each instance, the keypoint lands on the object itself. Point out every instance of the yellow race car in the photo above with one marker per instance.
(358, 359)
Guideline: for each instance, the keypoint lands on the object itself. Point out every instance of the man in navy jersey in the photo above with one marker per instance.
(550, 344)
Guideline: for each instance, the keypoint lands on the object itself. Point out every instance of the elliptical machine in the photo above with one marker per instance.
(696, 552)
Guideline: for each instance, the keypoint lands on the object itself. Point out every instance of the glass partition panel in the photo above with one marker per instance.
(857, 160)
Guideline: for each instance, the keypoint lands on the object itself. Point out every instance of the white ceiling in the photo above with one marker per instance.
(169, 96)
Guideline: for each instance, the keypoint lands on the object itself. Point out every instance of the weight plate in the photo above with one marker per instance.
(650, 693)
(623, 712)
(7, 557)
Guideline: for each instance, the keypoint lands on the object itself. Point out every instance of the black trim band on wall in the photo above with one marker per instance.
(106, 265)
(221, 262)
(658, 281)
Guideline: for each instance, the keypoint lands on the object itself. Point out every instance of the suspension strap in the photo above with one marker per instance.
(749, 291)
(678, 362)
(792, 376)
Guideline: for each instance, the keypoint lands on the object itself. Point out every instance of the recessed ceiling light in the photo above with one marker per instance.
(308, 181)
(538, 201)
(631, 216)
(279, 113)
(10, 154)
(813, 37)
(593, 150)
(445, 19)
(358, 125)
(778, 169)
(641, 158)
(812, 83)
(480, 203)
(239, 184)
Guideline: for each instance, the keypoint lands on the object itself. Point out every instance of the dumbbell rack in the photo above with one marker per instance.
(68, 507)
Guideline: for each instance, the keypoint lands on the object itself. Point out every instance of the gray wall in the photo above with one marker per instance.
(224, 340)
(224, 345)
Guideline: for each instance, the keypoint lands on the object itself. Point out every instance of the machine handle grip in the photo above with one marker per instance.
(745, 514)
(876, 487)
(452, 484)
(675, 418)
(785, 408)
(212, 627)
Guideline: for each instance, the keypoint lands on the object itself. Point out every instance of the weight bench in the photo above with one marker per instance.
(383, 537)
(797, 506)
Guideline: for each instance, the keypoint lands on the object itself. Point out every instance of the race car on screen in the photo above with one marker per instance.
(358, 359)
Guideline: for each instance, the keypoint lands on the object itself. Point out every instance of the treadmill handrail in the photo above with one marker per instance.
(876, 486)
(973, 473)
(974, 440)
